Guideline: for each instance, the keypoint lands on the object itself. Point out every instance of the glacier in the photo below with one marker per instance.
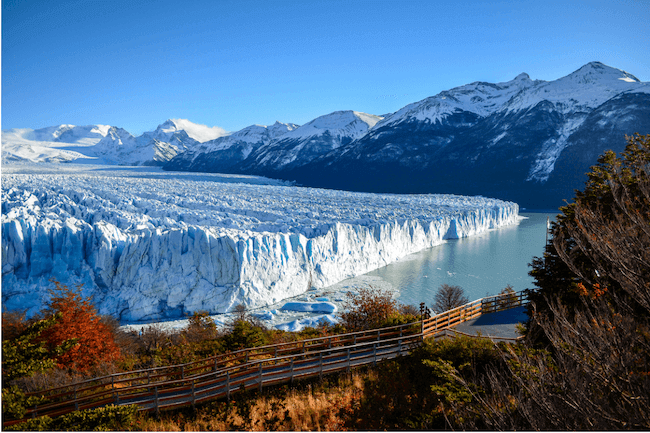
(148, 245)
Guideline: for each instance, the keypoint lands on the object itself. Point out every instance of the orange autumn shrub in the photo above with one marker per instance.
(595, 293)
(80, 321)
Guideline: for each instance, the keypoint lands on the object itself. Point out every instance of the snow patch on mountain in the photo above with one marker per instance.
(150, 245)
(544, 164)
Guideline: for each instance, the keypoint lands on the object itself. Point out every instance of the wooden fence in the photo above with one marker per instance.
(222, 375)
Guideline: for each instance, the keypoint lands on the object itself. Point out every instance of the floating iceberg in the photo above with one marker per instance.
(310, 307)
(150, 245)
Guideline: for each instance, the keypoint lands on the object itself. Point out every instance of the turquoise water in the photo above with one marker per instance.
(481, 265)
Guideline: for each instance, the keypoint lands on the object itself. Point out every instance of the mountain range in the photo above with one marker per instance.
(103, 144)
(524, 140)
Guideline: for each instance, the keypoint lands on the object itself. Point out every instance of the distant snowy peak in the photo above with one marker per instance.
(101, 144)
(347, 123)
(256, 133)
(586, 88)
(85, 135)
(198, 132)
(480, 98)
(278, 129)
(300, 146)
(595, 71)
(117, 137)
(251, 135)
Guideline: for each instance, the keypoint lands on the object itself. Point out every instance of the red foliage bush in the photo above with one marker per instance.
(80, 321)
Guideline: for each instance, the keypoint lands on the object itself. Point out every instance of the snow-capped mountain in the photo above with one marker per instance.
(69, 143)
(223, 153)
(198, 132)
(530, 141)
(103, 144)
(302, 145)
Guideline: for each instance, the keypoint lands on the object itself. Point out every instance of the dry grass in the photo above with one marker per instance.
(312, 407)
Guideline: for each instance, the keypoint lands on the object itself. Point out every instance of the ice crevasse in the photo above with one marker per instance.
(149, 249)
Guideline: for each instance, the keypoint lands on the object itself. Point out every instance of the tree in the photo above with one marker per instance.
(368, 309)
(200, 327)
(448, 297)
(79, 321)
(604, 236)
(591, 311)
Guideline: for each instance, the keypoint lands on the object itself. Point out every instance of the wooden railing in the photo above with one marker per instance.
(222, 375)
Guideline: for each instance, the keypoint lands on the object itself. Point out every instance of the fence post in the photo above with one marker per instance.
(348, 369)
(261, 377)
(215, 364)
(156, 400)
(182, 372)
(320, 375)
(193, 396)
(291, 380)
(378, 334)
(228, 386)
(421, 320)
(400, 347)
(76, 403)
(374, 354)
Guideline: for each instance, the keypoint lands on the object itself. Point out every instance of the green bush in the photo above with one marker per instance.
(100, 419)
(417, 391)
(28, 354)
(15, 403)
(244, 334)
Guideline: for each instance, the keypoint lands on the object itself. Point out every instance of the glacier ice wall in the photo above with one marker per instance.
(153, 247)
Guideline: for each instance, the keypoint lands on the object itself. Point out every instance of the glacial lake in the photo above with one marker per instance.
(482, 265)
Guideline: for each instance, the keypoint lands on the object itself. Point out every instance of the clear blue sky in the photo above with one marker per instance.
(231, 64)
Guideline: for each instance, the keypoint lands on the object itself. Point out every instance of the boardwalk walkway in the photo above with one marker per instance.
(221, 375)
(501, 325)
